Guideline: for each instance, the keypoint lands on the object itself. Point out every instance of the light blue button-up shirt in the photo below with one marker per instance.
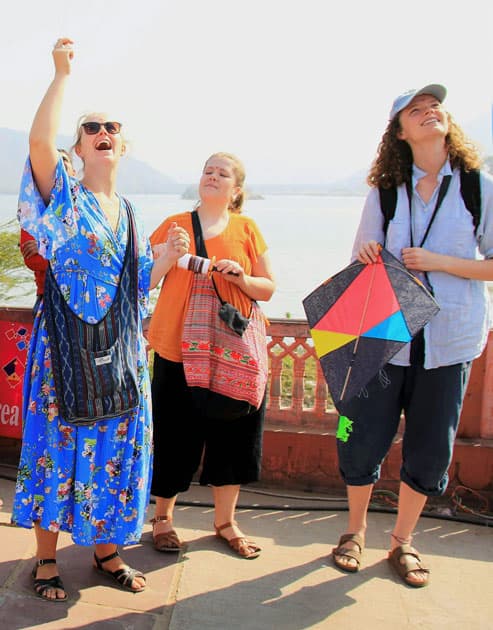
(459, 331)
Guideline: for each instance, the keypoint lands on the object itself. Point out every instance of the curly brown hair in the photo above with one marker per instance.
(393, 163)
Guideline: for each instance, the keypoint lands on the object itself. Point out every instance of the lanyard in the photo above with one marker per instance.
(441, 195)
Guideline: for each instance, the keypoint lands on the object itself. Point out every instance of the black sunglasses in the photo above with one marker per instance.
(92, 128)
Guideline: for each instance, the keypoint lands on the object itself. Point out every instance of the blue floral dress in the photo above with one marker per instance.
(94, 480)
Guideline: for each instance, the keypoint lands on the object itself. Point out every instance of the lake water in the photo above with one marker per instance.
(309, 238)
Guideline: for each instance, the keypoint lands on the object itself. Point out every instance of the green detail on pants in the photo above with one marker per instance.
(344, 428)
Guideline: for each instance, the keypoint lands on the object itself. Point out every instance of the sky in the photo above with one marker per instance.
(300, 91)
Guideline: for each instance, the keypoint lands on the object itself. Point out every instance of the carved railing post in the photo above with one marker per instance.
(275, 361)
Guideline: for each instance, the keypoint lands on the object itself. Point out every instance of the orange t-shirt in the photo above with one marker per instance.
(240, 241)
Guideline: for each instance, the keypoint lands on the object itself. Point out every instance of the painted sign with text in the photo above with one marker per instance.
(14, 341)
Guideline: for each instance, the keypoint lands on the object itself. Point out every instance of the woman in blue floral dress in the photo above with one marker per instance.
(93, 480)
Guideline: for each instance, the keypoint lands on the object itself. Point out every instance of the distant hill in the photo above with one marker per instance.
(134, 176)
(192, 192)
(354, 185)
(478, 129)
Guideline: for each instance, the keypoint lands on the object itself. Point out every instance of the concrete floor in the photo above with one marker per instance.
(291, 586)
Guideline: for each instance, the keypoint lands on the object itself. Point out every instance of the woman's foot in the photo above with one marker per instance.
(233, 536)
(407, 562)
(47, 583)
(347, 554)
(113, 565)
(164, 536)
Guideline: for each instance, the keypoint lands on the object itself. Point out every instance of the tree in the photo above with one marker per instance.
(13, 272)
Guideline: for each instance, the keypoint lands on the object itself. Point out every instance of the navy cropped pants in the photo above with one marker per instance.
(431, 401)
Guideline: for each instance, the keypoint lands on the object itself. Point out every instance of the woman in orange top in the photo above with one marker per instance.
(231, 448)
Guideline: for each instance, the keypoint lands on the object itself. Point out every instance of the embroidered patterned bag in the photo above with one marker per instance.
(227, 370)
(95, 365)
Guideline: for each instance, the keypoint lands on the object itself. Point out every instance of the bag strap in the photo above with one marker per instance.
(132, 251)
(470, 190)
(200, 248)
(388, 203)
(444, 186)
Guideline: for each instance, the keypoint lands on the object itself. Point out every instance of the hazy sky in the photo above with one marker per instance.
(299, 90)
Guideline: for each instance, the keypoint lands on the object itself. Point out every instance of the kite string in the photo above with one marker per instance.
(363, 315)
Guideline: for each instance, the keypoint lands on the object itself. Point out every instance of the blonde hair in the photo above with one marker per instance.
(236, 203)
(78, 132)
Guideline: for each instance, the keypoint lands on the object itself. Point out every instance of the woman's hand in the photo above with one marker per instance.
(166, 254)
(230, 270)
(419, 259)
(63, 53)
(259, 285)
(178, 242)
(158, 250)
(369, 252)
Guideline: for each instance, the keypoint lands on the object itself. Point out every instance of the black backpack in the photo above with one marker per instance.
(470, 190)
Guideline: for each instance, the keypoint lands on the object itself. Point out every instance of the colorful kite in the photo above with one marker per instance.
(361, 317)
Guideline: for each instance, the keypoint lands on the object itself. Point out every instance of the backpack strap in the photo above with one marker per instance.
(470, 189)
(388, 203)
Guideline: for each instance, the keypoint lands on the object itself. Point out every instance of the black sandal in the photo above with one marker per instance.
(41, 585)
(124, 577)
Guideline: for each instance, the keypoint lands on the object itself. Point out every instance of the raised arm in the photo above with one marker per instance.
(42, 139)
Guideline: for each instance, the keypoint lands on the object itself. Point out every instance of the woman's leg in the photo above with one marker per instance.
(164, 510)
(225, 500)
(411, 504)
(46, 549)
(375, 415)
(163, 534)
(178, 445)
(233, 454)
(358, 501)
(432, 407)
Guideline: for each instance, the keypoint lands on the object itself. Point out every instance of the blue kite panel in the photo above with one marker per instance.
(394, 327)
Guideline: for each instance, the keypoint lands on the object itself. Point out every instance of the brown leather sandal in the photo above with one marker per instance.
(165, 541)
(405, 560)
(347, 552)
(241, 545)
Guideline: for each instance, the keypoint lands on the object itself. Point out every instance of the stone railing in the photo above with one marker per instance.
(299, 442)
(297, 393)
(301, 401)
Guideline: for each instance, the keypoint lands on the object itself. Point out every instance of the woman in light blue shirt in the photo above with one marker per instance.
(421, 154)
